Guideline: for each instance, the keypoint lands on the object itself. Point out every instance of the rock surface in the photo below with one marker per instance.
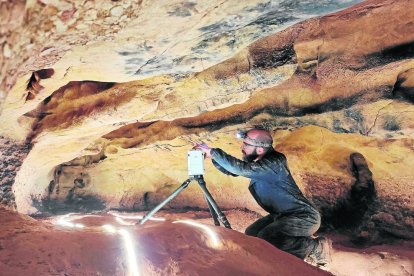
(76, 244)
(11, 156)
(112, 111)
(83, 245)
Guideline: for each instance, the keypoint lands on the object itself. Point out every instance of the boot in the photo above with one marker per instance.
(320, 256)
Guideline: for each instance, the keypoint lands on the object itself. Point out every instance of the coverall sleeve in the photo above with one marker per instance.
(236, 166)
(220, 168)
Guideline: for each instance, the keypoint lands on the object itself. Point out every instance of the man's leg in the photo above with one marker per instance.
(293, 233)
(258, 225)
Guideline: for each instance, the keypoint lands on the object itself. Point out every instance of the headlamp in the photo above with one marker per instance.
(241, 134)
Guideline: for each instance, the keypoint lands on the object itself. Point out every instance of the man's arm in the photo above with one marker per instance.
(236, 166)
(220, 168)
(207, 150)
(230, 164)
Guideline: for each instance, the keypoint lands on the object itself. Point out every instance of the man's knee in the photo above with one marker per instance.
(316, 223)
(258, 225)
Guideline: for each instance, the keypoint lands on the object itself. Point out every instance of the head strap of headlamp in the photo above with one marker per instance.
(242, 134)
(256, 143)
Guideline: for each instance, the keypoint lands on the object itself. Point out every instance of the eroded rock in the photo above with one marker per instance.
(11, 155)
(101, 244)
(112, 113)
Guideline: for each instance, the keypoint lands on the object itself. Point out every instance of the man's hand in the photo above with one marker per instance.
(204, 147)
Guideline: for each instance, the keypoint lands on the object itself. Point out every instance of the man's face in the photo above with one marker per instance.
(249, 151)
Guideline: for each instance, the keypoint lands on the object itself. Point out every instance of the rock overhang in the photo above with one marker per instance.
(313, 73)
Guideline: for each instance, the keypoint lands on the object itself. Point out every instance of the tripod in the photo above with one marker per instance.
(215, 211)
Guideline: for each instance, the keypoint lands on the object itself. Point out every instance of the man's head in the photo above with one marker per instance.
(256, 143)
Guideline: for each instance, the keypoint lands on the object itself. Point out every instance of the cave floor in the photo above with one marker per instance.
(396, 258)
(82, 243)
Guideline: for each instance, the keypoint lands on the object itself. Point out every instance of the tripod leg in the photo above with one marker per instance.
(213, 203)
(212, 213)
(168, 199)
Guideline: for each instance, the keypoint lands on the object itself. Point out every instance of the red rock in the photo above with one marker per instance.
(30, 247)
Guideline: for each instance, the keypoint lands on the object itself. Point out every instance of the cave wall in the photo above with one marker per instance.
(11, 154)
(111, 112)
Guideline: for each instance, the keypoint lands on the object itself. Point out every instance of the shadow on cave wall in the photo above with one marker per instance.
(362, 216)
(353, 212)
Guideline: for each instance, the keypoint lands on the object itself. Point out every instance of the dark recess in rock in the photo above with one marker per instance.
(388, 55)
(334, 104)
(352, 212)
(277, 57)
(401, 91)
(73, 203)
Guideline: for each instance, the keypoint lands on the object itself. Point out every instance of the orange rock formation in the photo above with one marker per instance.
(111, 118)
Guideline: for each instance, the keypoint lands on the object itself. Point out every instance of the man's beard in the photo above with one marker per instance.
(250, 157)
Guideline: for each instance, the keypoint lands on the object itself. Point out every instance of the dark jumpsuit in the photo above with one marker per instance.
(292, 219)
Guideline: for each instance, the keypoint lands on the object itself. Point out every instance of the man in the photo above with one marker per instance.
(292, 219)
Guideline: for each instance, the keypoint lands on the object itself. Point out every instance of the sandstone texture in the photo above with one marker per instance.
(100, 244)
(183, 243)
(11, 155)
(112, 95)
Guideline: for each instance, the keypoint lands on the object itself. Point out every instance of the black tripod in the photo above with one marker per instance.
(215, 211)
